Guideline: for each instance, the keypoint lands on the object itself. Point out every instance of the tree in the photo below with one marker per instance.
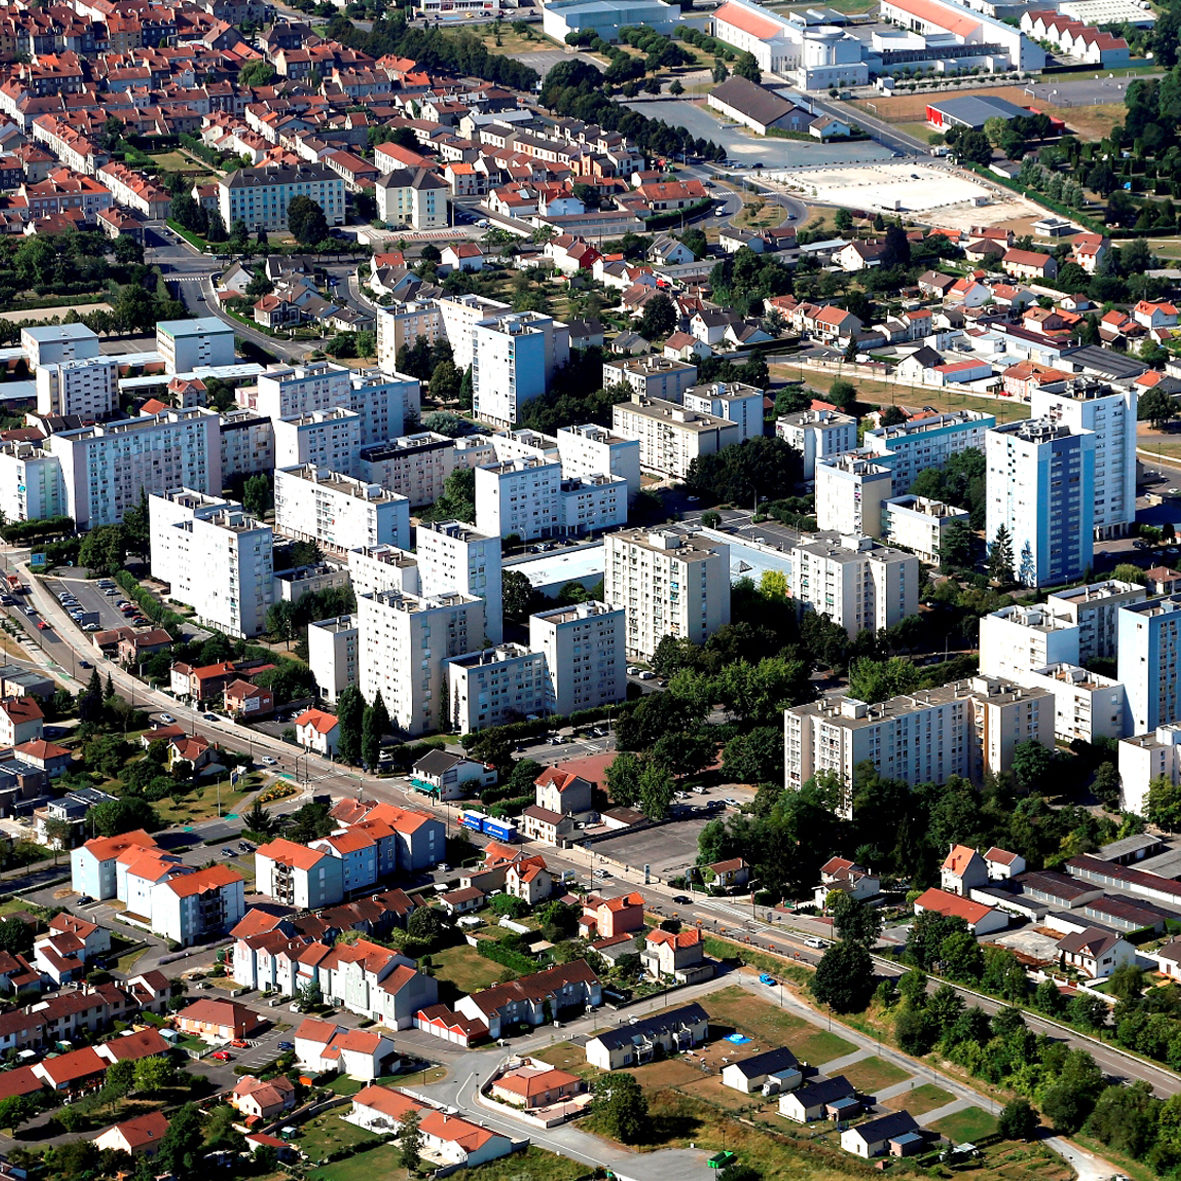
(1163, 804)
(971, 147)
(375, 726)
(747, 67)
(59, 834)
(656, 790)
(1106, 785)
(152, 1075)
(409, 1142)
(180, 1151)
(283, 621)
(843, 395)
(1031, 765)
(306, 221)
(623, 779)
(137, 528)
(446, 381)
(350, 714)
(123, 815)
(559, 920)
(310, 823)
(14, 1111)
(844, 978)
(1018, 1121)
(955, 551)
(854, 919)
(1157, 407)
(256, 73)
(309, 997)
(257, 497)
(425, 926)
(104, 549)
(622, 1107)
(843, 221)
(517, 596)
(259, 820)
(896, 248)
(676, 87)
(659, 318)
(1000, 557)
(995, 129)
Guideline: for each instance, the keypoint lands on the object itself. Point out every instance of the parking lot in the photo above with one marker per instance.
(91, 598)
(666, 850)
(265, 1048)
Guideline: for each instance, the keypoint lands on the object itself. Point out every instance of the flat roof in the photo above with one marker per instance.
(197, 327)
(568, 565)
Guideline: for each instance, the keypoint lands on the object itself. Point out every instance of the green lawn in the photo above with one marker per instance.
(531, 1165)
(772, 1026)
(328, 1132)
(467, 970)
(381, 1162)
(919, 1100)
(970, 1125)
(871, 1075)
(569, 1057)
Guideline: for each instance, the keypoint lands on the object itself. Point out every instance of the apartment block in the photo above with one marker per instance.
(651, 376)
(495, 686)
(590, 449)
(328, 439)
(1148, 642)
(1018, 639)
(404, 640)
(1041, 477)
(247, 444)
(215, 557)
(965, 728)
(415, 466)
(31, 485)
(919, 524)
(106, 468)
(855, 581)
(521, 496)
(817, 435)
(911, 447)
(332, 655)
(583, 645)
(1145, 758)
(670, 581)
(731, 400)
(88, 387)
(55, 344)
(514, 356)
(1087, 706)
(260, 196)
(337, 511)
(1084, 404)
(374, 568)
(401, 325)
(458, 317)
(1094, 610)
(454, 558)
(670, 436)
(187, 345)
(298, 876)
(851, 489)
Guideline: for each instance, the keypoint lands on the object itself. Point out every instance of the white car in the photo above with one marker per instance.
(270, 762)
(167, 719)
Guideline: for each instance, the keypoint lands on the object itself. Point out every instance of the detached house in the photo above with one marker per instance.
(533, 1000)
(963, 870)
(1029, 264)
(1089, 250)
(358, 1053)
(258, 1100)
(560, 791)
(1096, 953)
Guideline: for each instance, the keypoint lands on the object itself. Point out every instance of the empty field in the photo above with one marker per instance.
(770, 1027)
(919, 1100)
(871, 1075)
(466, 970)
(971, 1124)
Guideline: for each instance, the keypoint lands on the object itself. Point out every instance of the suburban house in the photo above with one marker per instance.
(604, 918)
(680, 955)
(846, 877)
(318, 731)
(732, 874)
(981, 919)
(140, 1136)
(631, 1045)
(217, 1021)
(776, 1070)
(1094, 952)
(450, 776)
(540, 824)
(1003, 865)
(532, 1000)
(896, 1134)
(963, 870)
(321, 1046)
(561, 791)
(257, 1100)
(529, 880)
(829, 1098)
(532, 1086)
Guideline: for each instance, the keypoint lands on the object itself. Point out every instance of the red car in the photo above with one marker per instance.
(222, 1056)
(238, 1044)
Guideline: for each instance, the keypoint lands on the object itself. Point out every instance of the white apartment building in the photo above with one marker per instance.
(55, 344)
(337, 511)
(585, 662)
(88, 387)
(653, 376)
(216, 559)
(31, 486)
(590, 449)
(329, 439)
(247, 443)
(332, 655)
(851, 489)
(1149, 641)
(855, 581)
(260, 196)
(454, 558)
(514, 357)
(1084, 404)
(731, 400)
(186, 345)
(521, 496)
(376, 568)
(965, 728)
(911, 447)
(414, 197)
(590, 503)
(458, 317)
(1041, 476)
(404, 641)
(105, 469)
(402, 325)
(1146, 757)
(1087, 706)
(919, 524)
(670, 436)
(670, 581)
(818, 434)
(495, 686)
(415, 466)
(1094, 609)
(1018, 639)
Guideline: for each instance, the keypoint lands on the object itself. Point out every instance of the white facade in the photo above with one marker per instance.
(919, 524)
(583, 645)
(88, 387)
(455, 558)
(1016, 640)
(1041, 476)
(850, 491)
(652, 376)
(1145, 758)
(734, 401)
(521, 496)
(1087, 706)
(514, 357)
(404, 641)
(415, 466)
(328, 439)
(337, 511)
(105, 469)
(818, 434)
(911, 447)
(375, 568)
(590, 449)
(55, 343)
(590, 503)
(670, 581)
(495, 686)
(216, 559)
(413, 197)
(856, 582)
(260, 197)
(186, 345)
(332, 655)
(1094, 610)
(31, 486)
(670, 436)
(1148, 647)
(1110, 413)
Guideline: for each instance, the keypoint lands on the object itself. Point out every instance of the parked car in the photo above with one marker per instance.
(239, 1044)
(286, 1045)
(270, 762)
(222, 1056)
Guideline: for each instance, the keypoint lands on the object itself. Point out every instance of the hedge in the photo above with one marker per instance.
(505, 956)
(14, 531)
(660, 221)
(150, 605)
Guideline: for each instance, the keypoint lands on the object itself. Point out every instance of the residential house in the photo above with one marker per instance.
(259, 1100)
(561, 791)
(604, 918)
(533, 1000)
(551, 828)
(529, 880)
(963, 870)
(1003, 865)
(319, 731)
(981, 919)
(636, 1043)
(680, 955)
(532, 1086)
(896, 1134)
(828, 1098)
(728, 875)
(449, 776)
(21, 720)
(1029, 264)
(776, 1070)
(847, 877)
(1095, 952)
(139, 1136)
(217, 1021)
(358, 1053)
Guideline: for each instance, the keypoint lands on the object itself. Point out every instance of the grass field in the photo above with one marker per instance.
(568, 1057)
(468, 971)
(971, 1124)
(200, 803)
(531, 1165)
(328, 1132)
(919, 1100)
(381, 1162)
(874, 1074)
(771, 1026)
